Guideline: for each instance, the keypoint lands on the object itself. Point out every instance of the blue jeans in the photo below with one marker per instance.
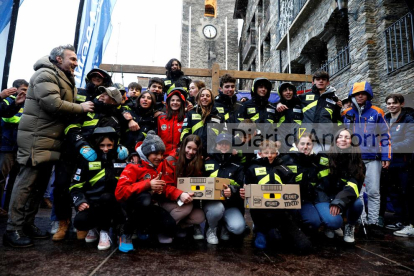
(315, 215)
(233, 218)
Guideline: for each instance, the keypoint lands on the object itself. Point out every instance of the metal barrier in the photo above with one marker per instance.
(399, 40)
(339, 62)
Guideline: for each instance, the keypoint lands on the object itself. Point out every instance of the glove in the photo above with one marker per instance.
(122, 152)
(88, 153)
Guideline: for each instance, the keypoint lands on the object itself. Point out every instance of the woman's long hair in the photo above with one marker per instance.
(349, 159)
(205, 111)
(181, 111)
(153, 102)
(187, 168)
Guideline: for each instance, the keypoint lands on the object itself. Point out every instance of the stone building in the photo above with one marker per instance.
(370, 40)
(208, 42)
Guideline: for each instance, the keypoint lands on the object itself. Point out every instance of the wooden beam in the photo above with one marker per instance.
(268, 75)
(198, 72)
(155, 70)
(215, 79)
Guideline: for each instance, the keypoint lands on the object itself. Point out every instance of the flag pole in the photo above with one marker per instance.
(10, 42)
(78, 23)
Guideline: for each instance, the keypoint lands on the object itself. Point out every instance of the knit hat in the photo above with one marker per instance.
(224, 137)
(112, 92)
(152, 143)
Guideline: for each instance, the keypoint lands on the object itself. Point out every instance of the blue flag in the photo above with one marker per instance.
(6, 8)
(94, 33)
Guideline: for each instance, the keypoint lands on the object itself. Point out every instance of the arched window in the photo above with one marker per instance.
(210, 8)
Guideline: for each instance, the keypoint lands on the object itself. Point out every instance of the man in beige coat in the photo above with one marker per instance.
(50, 102)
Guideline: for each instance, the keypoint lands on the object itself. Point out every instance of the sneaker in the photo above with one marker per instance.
(260, 241)
(164, 239)
(104, 240)
(349, 233)
(339, 232)
(407, 231)
(212, 235)
(92, 236)
(396, 226)
(224, 234)
(125, 243)
(198, 233)
(17, 238)
(54, 225)
(329, 233)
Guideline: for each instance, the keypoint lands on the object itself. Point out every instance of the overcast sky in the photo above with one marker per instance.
(144, 33)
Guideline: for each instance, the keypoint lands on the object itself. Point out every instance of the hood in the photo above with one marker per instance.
(44, 62)
(282, 87)
(361, 87)
(107, 81)
(256, 82)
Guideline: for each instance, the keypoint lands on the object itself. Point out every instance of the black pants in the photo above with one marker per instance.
(397, 184)
(144, 215)
(62, 203)
(99, 214)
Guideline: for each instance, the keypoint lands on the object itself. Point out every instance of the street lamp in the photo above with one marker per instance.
(342, 6)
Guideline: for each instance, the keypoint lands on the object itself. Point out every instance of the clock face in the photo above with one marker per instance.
(209, 31)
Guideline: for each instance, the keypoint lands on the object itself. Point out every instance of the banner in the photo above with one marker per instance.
(6, 8)
(94, 33)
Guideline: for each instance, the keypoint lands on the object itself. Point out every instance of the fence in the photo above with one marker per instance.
(399, 40)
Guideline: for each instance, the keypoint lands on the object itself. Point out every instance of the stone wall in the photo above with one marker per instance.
(205, 52)
(323, 31)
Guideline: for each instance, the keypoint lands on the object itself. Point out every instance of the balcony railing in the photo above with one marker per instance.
(289, 10)
(339, 62)
(250, 45)
(399, 40)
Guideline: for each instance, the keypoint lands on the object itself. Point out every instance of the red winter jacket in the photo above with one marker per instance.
(167, 168)
(134, 179)
(170, 132)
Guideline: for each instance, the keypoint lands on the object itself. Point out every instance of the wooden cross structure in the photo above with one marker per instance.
(214, 73)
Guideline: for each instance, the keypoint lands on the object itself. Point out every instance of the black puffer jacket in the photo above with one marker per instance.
(305, 169)
(207, 131)
(259, 110)
(262, 172)
(224, 165)
(227, 107)
(341, 189)
(92, 179)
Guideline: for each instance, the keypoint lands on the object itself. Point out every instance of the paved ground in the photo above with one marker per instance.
(390, 256)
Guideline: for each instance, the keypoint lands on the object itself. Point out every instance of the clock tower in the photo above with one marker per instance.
(204, 40)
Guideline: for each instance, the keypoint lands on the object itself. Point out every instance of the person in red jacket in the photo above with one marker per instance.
(178, 203)
(139, 186)
(170, 124)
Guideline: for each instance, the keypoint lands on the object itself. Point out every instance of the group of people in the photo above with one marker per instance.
(116, 155)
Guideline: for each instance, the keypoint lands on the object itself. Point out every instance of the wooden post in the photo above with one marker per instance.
(215, 78)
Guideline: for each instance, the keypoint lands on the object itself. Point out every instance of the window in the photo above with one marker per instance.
(210, 8)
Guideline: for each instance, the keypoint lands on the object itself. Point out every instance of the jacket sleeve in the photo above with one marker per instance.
(79, 184)
(128, 185)
(405, 145)
(170, 189)
(73, 132)
(47, 93)
(349, 193)
(187, 125)
(384, 138)
(323, 183)
(8, 108)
